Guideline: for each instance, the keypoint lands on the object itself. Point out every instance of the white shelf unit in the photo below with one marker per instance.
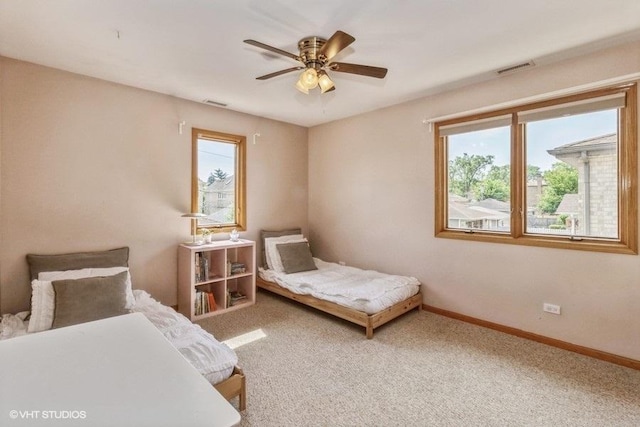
(217, 279)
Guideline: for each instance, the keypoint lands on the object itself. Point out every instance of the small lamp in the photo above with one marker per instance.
(309, 78)
(324, 81)
(302, 88)
(194, 225)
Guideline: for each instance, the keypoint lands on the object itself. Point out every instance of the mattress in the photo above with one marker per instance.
(363, 290)
(213, 359)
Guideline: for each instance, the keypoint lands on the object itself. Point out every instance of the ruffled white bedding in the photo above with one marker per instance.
(213, 359)
(364, 290)
(13, 325)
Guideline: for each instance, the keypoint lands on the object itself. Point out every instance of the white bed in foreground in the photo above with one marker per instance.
(116, 371)
(71, 289)
(214, 360)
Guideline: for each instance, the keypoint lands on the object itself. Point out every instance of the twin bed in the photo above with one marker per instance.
(76, 288)
(364, 297)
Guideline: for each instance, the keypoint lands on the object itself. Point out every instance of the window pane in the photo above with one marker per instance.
(479, 180)
(216, 182)
(572, 180)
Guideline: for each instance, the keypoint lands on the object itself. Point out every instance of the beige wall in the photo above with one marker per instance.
(87, 164)
(371, 204)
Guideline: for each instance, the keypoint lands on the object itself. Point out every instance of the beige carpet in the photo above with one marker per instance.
(422, 369)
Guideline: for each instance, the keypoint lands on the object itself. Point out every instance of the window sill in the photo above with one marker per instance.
(592, 245)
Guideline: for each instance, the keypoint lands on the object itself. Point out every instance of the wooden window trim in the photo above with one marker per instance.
(241, 188)
(627, 181)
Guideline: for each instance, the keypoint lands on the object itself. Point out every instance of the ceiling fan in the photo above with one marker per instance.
(315, 56)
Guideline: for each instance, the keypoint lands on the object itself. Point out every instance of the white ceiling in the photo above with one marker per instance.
(193, 49)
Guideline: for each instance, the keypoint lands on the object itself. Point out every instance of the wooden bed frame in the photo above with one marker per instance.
(369, 321)
(234, 386)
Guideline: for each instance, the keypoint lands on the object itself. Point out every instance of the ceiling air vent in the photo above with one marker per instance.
(216, 103)
(515, 68)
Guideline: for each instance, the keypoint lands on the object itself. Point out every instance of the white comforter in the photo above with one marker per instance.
(365, 290)
(13, 325)
(213, 359)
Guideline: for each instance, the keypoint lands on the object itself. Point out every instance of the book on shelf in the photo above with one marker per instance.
(202, 267)
(235, 297)
(205, 303)
(236, 268)
(212, 301)
(197, 261)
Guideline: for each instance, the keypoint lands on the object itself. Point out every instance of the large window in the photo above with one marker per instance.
(218, 179)
(559, 173)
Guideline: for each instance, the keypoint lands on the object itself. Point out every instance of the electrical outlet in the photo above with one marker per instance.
(551, 308)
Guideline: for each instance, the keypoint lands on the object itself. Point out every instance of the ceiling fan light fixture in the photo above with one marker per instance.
(301, 87)
(309, 78)
(324, 82)
(315, 57)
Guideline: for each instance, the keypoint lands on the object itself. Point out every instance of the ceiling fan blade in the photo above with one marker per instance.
(364, 70)
(272, 49)
(338, 41)
(277, 73)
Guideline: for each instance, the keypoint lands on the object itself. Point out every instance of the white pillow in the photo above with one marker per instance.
(43, 297)
(271, 251)
(43, 304)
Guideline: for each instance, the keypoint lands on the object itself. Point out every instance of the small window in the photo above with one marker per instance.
(558, 173)
(479, 175)
(218, 181)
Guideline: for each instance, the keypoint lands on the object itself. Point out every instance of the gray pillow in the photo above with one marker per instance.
(296, 257)
(265, 234)
(77, 261)
(85, 300)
